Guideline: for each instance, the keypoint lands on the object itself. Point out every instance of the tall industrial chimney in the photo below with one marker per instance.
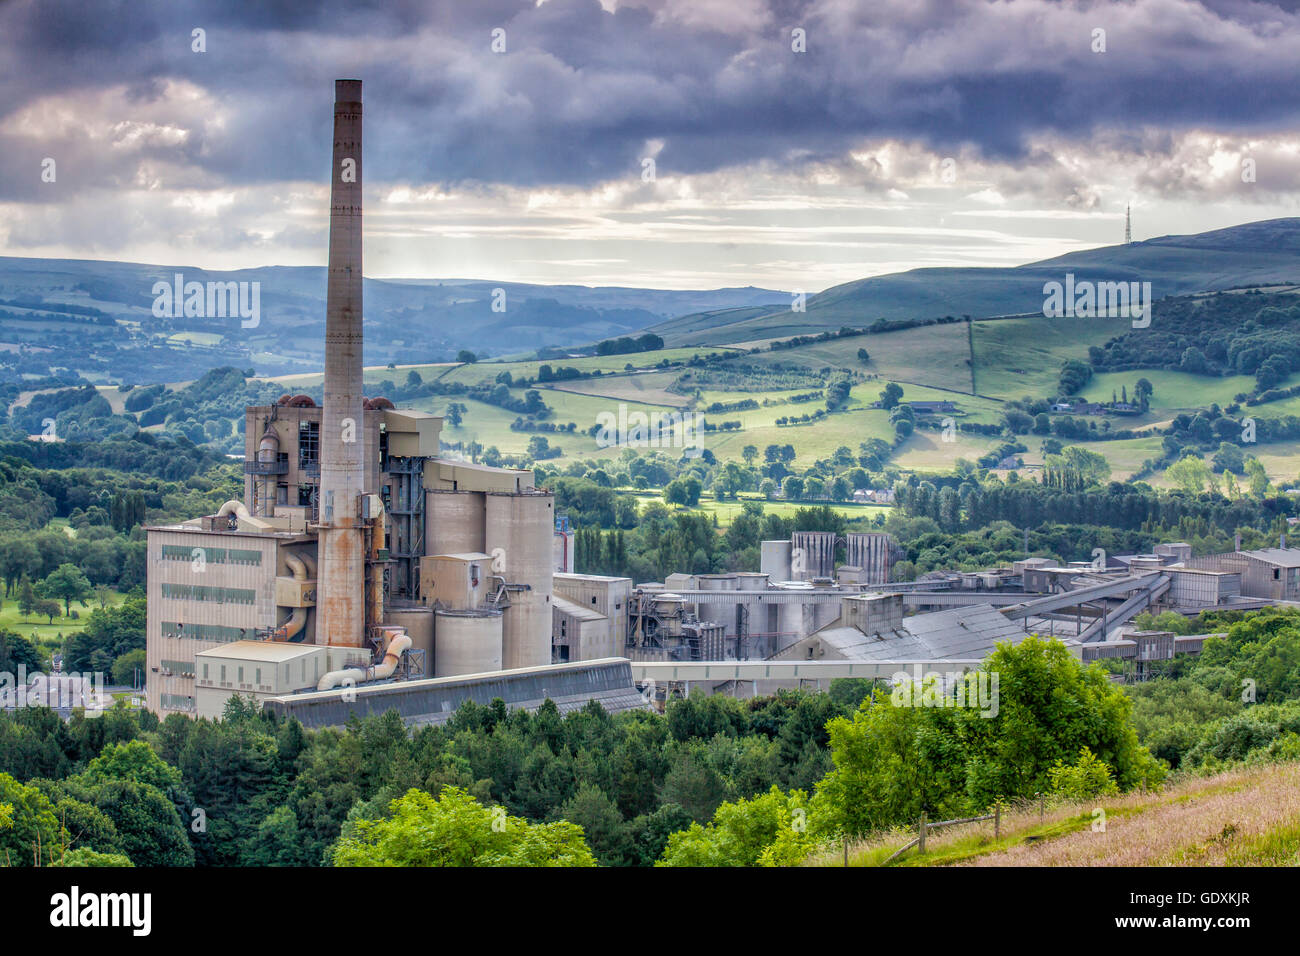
(341, 594)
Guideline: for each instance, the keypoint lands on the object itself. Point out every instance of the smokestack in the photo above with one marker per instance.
(1236, 542)
(341, 599)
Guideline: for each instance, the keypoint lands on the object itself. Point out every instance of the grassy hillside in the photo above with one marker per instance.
(1242, 818)
(1249, 254)
(96, 318)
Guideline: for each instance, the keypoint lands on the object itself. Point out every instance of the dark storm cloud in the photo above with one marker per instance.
(581, 90)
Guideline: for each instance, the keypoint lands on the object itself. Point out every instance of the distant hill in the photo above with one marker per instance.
(1249, 254)
(95, 319)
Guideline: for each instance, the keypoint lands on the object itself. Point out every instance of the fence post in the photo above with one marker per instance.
(846, 850)
(997, 821)
(921, 827)
(1042, 805)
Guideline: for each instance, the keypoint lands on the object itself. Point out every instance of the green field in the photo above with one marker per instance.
(46, 634)
(726, 511)
(934, 355)
(1019, 357)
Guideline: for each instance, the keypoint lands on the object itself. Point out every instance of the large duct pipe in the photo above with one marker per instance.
(341, 616)
(351, 676)
(233, 506)
(301, 567)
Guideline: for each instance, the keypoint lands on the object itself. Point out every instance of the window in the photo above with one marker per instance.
(241, 675)
(1277, 573)
(306, 493)
(258, 674)
(308, 443)
(205, 670)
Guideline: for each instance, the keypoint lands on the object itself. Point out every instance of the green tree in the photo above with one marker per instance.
(67, 583)
(1085, 779)
(91, 858)
(769, 830)
(127, 667)
(1257, 478)
(27, 598)
(1190, 474)
(891, 395)
(894, 758)
(454, 829)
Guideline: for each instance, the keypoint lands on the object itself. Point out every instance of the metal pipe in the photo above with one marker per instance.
(351, 676)
(292, 629)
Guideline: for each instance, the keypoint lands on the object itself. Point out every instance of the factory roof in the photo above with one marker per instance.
(1282, 557)
(274, 651)
(278, 533)
(961, 633)
(571, 576)
(574, 609)
(607, 681)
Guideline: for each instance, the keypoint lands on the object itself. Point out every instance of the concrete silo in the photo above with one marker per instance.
(454, 522)
(518, 537)
(467, 642)
(870, 551)
(774, 560)
(813, 555)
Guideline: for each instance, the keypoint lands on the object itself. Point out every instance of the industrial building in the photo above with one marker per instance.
(358, 555)
(363, 570)
(1269, 573)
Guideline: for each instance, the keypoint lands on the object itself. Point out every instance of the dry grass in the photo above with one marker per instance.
(1215, 821)
(1248, 817)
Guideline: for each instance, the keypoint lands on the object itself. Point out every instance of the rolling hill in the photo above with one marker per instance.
(1254, 253)
(95, 318)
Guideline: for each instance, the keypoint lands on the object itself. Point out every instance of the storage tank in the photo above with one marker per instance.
(467, 642)
(717, 613)
(774, 559)
(870, 551)
(813, 555)
(791, 617)
(521, 525)
(454, 520)
(418, 621)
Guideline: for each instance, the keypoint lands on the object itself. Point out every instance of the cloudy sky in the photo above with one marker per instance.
(905, 132)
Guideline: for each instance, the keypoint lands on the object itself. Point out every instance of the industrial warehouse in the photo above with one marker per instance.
(362, 572)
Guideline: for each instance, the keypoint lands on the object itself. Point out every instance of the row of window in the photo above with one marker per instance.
(201, 592)
(176, 702)
(206, 632)
(178, 668)
(183, 552)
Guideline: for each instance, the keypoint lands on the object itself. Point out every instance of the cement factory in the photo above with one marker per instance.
(363, 572)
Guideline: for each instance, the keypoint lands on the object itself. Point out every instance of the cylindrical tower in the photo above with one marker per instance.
(467, 642)
(870, 551)
(518, 536)
(454, 521)
(341, 612)
(813, 555)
